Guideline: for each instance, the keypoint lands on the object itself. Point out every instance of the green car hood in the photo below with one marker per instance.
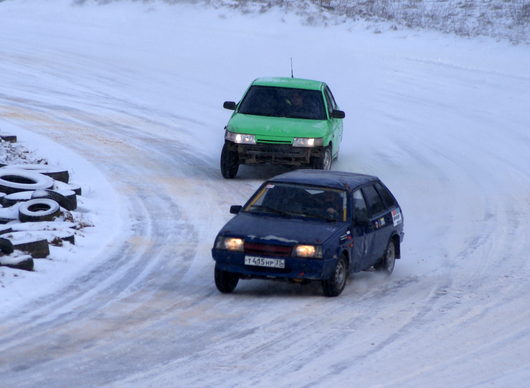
(268, 127)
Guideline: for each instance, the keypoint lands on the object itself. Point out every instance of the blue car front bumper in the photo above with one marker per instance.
(295, 268)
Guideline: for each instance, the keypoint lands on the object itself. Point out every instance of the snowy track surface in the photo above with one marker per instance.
(444, 122)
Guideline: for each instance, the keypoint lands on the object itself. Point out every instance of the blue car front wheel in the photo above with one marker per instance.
(225, 281)
(336, 283)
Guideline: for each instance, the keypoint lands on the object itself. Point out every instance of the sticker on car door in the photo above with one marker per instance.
(396, 216)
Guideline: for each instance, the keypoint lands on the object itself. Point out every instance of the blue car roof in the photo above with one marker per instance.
(335, 179)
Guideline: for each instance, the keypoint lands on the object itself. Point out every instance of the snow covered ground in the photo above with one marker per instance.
(129, 97)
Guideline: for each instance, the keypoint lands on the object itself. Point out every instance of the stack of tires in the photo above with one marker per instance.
(42, 196)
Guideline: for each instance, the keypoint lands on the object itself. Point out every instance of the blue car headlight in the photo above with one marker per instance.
(230, 243)
(309, 251)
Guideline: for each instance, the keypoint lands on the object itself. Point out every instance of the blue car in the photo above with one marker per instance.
(310, 225)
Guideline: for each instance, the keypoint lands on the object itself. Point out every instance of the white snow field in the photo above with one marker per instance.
(129, 96)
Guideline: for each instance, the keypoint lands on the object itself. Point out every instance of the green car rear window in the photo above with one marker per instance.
(283, 102)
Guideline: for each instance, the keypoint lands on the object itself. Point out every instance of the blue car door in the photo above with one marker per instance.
(380, 224)
(362, 232)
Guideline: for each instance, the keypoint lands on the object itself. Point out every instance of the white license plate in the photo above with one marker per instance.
(264, 262)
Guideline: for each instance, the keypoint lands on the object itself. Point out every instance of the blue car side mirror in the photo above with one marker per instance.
(234, 209)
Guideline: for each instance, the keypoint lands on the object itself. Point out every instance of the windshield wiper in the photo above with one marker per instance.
(271, 209)
(327, 219)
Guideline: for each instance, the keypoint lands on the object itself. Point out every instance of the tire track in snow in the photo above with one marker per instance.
(125, 276)
(160, 323)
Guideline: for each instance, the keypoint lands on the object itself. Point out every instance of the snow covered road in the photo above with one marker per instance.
(138, 95)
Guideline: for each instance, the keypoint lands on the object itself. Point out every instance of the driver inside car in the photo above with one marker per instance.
(332, 205)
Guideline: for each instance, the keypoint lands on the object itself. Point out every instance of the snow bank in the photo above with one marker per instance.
(99, 209)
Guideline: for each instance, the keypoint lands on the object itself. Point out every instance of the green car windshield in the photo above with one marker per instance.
(283, 102)
(289, 200)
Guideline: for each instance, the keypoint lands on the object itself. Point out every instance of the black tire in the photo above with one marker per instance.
(15, 180)
(6, 246)
(324, 161)
(57, 174)
(36, 210)
(67, 199)
(13, 198)
(61, 186)
(229, 162)
(226, 282)
(68, 237)
(4, 230)
(38, 249)
(388, 261)
(336, 283)
(4, 219)
(25, 263)
(8, 138)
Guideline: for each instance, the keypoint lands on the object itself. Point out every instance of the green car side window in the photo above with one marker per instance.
(332, 105)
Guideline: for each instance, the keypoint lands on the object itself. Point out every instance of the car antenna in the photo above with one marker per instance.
(292, 76)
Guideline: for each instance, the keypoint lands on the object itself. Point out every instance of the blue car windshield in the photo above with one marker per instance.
(288, 200)
(283, 102)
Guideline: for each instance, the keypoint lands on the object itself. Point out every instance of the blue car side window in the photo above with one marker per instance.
(360, 212)
(373, 200)
(385, 194)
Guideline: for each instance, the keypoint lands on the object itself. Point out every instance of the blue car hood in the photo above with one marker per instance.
(271, 229)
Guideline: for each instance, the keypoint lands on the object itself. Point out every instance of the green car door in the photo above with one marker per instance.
(335, 123)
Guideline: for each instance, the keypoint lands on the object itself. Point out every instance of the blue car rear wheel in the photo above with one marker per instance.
(388, 261)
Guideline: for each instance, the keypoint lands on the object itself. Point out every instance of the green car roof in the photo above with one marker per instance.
(287, 82)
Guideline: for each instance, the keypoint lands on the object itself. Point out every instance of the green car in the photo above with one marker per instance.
(280, 120)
